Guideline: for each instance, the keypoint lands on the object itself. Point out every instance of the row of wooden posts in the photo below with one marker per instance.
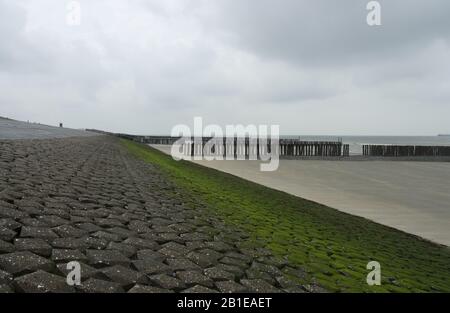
(289, 147)
(405, 151)
(249, 146)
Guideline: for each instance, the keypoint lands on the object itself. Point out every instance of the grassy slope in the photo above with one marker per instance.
(334, 247)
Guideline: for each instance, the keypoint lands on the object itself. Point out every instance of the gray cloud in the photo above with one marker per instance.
(332, 33)
(314, 67)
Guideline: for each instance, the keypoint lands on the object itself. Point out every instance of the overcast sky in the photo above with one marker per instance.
(313, 67)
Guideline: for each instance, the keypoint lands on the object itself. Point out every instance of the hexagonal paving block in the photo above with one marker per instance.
(24, 261)
(93, 285)
(37, 232)
(6, 247)
(199, 289)
(86, 271)
(67, 255)
(5, 277)
(182, 264)
(142, 243)
(259, 286)
(124, 275)
(5, 288)
(148, 289)
(106, 257)
(217, 273)
(9, 223)
(230, 287)
(147, 254)
(6, 233)
(195, 278)
(125, 249)
(42, 282)
(151, 266)
(167, 282)
(35, 245)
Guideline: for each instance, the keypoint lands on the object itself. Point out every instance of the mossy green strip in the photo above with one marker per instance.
(334, 247)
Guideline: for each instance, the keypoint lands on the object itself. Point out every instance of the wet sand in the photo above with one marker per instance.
(407, 195)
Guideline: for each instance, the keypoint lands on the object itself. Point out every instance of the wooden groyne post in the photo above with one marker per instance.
(245, 147)
(405, 150)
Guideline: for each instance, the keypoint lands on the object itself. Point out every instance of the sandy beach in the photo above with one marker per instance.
(410, 196)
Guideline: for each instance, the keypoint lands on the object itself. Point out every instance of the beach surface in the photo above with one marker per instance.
(410, 196)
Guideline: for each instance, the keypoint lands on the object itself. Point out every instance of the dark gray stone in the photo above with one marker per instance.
(151, 266)
(24, 261)
(255, 274)
(122, 232)
(182, 264)
(124, 276)
(195, 278)
(66, 255)
(167, 282)
(42, 282)
(285, 282)
(68, 243)
(95, 243)
(126, 250)
(93, 285)
(148, 254)
(218, 274)
(106, 257)
(139, 226)
(106, 236)
(230, 287)
(53, 220)
(218, 246)
(270, 269)
(11, 213)
(89, 227)
(204, 260)
(37, 232)
(314, 288)
(5, 288)
(9, 223)
(174, 250)
(5, 277)
(6, 247)
(35, 245)
(232, 261)
(237, 271)
(259, 286)
(7, 234)
(69, 231)
(199, 289)
(147, 289)
(86, 271)
(140, 243)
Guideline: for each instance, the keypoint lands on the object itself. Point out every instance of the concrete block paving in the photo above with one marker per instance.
(87, 199)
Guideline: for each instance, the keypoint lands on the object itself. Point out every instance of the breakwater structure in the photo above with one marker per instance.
(251, 147)
(245, 146)
(405, 151)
